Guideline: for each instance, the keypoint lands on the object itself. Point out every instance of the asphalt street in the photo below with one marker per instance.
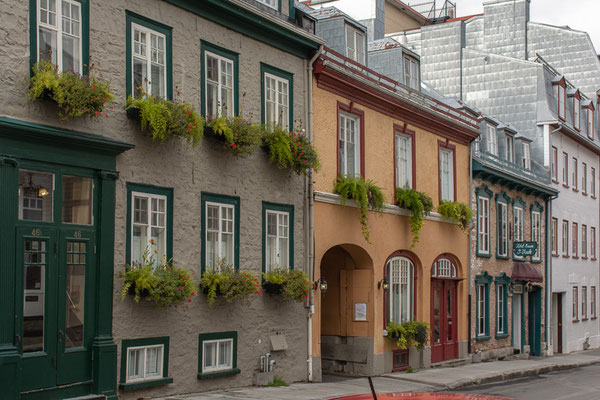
(574, 384)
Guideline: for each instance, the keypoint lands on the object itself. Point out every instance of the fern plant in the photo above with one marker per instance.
(419, 204)
(241, 136)
(166, 118)
(290, 284)
(366, 194)
(410, 333)
(290, 150)
(231, 284)
(458, 212)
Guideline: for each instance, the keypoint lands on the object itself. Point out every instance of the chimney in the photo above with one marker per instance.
(505, 27)
(376, 24)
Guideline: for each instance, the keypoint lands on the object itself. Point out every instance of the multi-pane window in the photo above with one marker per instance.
(447, 174)
(555, 236)
(574, 239)
(411, 73)
(270, 3)
(502, 230)
(575, 303)
(483, 225)
(576, 110)
(584, 178)
(561, 102)
(510, 150)
(349, 144)
(403, 161)
(355, 44)
(217, 355)
(144, 363)
(526, 161)
(500, 309)
(593, 181)
(536, 233)
(492, 139)
(401, 292)
(565, 169)
(220, 235)
(219, 87)
(555, 164)
(575, 167)
(59, 27)
(593, 302)
(148, 227)
(277, 240)
(518, 224)
(277, 100)
(593, 243)
(584, 302)
(481, 309)
(148, 61)
(565, 238)
(583, 241)
(590, 123)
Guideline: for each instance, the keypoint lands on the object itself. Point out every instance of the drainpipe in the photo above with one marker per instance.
(469, 311)
(548, 263)
(310, 197)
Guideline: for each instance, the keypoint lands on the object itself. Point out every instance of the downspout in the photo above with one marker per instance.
(309, 189)
(469, 310)
(548, 263)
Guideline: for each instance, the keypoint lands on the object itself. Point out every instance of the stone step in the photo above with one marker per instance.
(88, 397)
(457, 362)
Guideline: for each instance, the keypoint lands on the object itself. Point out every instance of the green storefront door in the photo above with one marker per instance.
(55, 250)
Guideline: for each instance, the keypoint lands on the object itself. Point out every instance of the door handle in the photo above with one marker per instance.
(62, 335)
(18, 337)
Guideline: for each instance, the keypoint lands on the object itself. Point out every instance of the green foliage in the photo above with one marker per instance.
(366, 194)
(76, 95)
(231, 284)
(293, 284)
(409, 370)
(240, 135)
(407, 334)
(290, 150)
(166, 118)
(458, 212)
(163, 284)
(278, 382)
(419, 204)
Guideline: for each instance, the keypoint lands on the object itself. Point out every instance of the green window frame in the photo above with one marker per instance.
(482, 306)
(502, 227)
(518, 210)
(502, 282)
(154, 191)
(536, 208)
(84, 32)
(225, 200)
(483, 197)
(217, 336)
(166, 31)
(127, 344)
(220, 53)
(270, 71)
(278, 210)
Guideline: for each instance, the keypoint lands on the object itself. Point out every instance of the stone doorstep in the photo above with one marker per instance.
(88, 397)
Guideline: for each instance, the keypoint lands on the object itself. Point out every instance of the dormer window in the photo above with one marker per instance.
(576, 108)
(526, 160)
(492, 140)
(269, 3)
(560, 89)
(590, 121)
(355, 44)
(510, 150)
(411, 73)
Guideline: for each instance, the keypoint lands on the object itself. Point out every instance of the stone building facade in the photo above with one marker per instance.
(180, 181)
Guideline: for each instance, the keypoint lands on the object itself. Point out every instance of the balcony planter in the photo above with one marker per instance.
(75, 95)
(419, 204)
(224, 281)
(458, 212)
(289, 149)
(239, 135)
(289, 284)
(407, 334)
(271, 288)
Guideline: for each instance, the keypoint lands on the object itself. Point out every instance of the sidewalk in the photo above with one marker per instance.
(427, 380)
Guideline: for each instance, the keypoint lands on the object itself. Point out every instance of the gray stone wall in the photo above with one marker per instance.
(189, 171)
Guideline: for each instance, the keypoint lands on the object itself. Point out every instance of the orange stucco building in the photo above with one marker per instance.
(366, 124)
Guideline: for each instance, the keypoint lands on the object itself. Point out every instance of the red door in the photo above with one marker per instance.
(444, 343)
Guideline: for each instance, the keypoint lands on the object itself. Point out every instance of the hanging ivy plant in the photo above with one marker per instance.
(76, 95)
(289, 284)
(165, 118)
(419, 204)
(366, 194)
(458, 212)
(229, 283)
(290, 150)
(241, 136)
(406, 334)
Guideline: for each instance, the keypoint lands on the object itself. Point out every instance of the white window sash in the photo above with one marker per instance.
(481, 309)
(148, 225)
(492, 140)
(576, 111)
(447, 174)
(401, 277)
(218, 246)
(502, 230)
(500, 308)
(484, 225)
(148, 59)
(279, 225)
(217, 367)
(403, 161)
(145, 376)
(347, 130)
(527, 156)
(219, 83)
(536, 231)
(509, 149)
(280, 118)
(269, 3)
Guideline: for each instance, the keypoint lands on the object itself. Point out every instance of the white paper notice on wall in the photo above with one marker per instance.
(360, 311)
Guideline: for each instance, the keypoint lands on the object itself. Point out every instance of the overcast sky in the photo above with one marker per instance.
(577, 14)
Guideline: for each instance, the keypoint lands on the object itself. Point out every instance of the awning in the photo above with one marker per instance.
(526, 272)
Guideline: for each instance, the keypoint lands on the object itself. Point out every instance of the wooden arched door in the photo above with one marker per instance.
(444, 310)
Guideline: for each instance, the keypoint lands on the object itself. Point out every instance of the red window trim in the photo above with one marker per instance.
(555, 161)
(555, 249)
(576, 173)
(584, 179)
(577, 96)
(416, 273)
(584, 249)
(565, 167)
(446, 145)
(402, 129)
(576, 226)
(565, 255)
(589, 108)
(350, 109)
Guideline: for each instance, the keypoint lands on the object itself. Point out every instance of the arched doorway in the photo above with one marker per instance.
(347, 319)
(444, 309)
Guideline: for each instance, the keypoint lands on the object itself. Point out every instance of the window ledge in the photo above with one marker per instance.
(575, 190)
(554, 181)
(145, 384)
(584, 257)
(554, 255)
(583, 319)
(536, 261)
(216, 374)
(575, 320)
(565, 256)
(584, 193)
(484, 255)
(576, 257)
(565, 185)
(502, 257)
(482, 338)
(593, 258)
(501, 335)
(593, 197)
(594, 318)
